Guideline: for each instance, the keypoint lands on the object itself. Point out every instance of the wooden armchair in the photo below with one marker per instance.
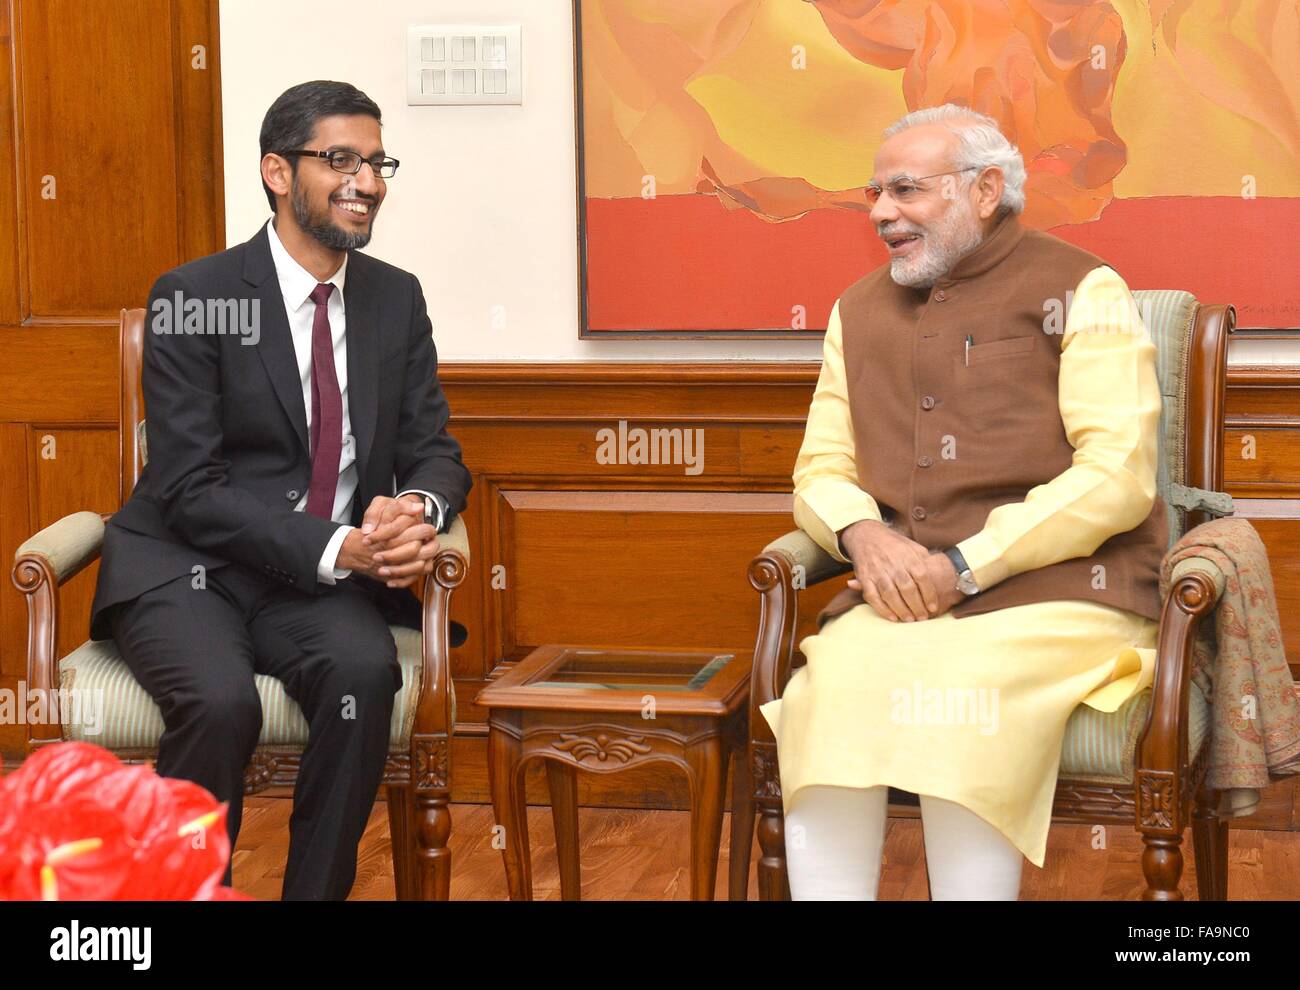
(1144, 763)
(418, 771)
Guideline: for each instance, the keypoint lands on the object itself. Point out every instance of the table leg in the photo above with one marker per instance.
(511, 806)
(563, 780)
(707, 760)
(742, 822)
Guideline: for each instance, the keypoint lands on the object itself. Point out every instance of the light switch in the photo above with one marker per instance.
(464, 64)
(462, 49)
(462, 82)
(433, 81)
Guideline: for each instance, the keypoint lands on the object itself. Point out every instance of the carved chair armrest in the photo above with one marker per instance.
(786, 565)
(805, 552)
(1203, 564)
(433, 706)
(456, 538)
(65, 547)
(1196, 584)
(41, 565)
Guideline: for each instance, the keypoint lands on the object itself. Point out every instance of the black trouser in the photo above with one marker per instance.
(195, 651)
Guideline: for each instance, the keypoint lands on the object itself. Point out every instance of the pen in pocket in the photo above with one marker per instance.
(969, 341)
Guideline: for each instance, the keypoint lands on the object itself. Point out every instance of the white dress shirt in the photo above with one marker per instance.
(296, 286)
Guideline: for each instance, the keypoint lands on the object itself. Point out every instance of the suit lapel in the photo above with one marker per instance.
(275, 347)
(363, 346)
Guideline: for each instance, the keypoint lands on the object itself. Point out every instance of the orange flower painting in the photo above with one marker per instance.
(725, 145)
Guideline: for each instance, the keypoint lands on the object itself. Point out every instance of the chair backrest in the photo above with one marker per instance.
(131, 408)
(1191, 341)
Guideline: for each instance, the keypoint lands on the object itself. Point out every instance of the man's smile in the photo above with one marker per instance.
(902, 243)
(357, 210)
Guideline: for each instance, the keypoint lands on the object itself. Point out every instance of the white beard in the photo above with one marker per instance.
(956, 233)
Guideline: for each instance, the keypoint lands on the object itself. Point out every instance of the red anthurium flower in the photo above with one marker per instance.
(55, 773)
(78, 824)
(183, 864)
(74, 851)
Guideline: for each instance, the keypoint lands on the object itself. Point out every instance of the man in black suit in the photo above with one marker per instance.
(299, 471)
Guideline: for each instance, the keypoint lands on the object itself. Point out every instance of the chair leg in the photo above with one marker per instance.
(742, 824)
(403, 840)
(1210, 844)
(773, 881)
(433, 829)
(1162, 865)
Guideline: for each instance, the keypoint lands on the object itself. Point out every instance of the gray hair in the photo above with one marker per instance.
(981, 144)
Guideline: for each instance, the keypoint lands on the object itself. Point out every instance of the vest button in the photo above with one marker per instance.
(924, 460)
(918, 512)
(292, 494)
(940, 296)
(927, 402)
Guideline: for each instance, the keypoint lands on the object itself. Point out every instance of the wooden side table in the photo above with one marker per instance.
(607, 710)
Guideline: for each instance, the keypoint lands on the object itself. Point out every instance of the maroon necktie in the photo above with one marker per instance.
(326, 410)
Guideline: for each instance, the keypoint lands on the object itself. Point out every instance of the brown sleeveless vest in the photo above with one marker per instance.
(940, 444)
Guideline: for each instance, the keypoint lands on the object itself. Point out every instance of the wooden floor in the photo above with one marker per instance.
(643, 855)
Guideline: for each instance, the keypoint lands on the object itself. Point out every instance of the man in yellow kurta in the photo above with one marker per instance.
(981, 447)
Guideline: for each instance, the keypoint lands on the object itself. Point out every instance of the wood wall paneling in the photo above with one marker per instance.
(1263, 406)
(119, 106)
(616, 553)
(97, 120)
(72, 469)
(15, 526)
(10, 226)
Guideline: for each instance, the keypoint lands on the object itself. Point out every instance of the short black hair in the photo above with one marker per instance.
(291, 121)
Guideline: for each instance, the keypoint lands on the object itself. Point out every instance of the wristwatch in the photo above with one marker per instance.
(435, 512)
(965, 579)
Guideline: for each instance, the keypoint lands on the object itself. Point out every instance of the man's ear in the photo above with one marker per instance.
(988, 191)
(277, 173)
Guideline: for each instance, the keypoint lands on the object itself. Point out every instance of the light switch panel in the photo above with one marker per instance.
(464, 64)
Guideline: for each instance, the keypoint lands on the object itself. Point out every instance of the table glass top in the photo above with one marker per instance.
(593, 669)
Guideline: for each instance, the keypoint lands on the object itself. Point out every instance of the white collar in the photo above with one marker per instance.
(296, 283)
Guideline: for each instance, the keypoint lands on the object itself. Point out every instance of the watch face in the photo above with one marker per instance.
(966, 582)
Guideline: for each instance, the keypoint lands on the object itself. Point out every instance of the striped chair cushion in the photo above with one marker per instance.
(1103, 745)
(110, 709)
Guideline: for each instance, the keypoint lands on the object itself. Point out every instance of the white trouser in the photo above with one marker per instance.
(834, 837)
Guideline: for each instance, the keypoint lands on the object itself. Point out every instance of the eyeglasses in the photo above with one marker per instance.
(349, 162)
(904, 189)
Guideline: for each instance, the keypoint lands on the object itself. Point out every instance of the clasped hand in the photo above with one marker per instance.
(393, 544)
(900, 579)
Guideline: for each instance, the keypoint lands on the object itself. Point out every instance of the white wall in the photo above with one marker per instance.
(483, 208)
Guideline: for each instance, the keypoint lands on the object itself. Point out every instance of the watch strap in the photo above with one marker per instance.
(958, 561)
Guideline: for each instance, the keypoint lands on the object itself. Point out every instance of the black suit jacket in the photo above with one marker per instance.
(228, 455)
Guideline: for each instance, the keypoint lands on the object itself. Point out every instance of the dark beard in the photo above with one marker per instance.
(324, 230)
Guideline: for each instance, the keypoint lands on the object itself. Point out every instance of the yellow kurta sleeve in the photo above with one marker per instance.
(1109, 398)
(826, 493)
